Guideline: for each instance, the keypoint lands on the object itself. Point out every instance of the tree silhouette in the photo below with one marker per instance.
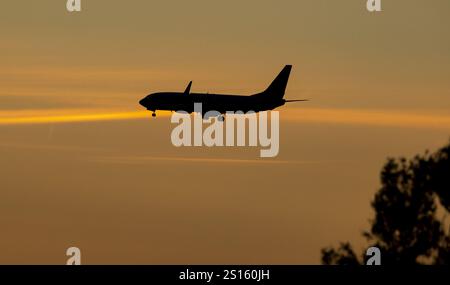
(406, 228)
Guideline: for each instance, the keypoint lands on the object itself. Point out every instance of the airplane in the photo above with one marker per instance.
(269, 99)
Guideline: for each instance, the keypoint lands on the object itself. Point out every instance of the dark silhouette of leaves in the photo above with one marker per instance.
(406, 228)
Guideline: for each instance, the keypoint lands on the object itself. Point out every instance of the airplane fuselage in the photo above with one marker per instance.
(178, 101)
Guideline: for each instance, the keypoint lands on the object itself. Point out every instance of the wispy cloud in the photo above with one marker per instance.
(37, 146)
(149, 159)
(299, 115)
(382, 118)
(85, 73)
(70, 116)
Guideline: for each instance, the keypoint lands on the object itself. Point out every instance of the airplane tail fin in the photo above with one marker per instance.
(278, 86)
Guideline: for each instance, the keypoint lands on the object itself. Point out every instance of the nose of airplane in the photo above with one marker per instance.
(142, 102)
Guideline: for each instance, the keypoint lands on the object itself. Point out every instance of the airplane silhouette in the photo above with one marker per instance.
(269, 99)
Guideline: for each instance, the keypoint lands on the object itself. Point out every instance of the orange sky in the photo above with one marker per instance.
(84, 165)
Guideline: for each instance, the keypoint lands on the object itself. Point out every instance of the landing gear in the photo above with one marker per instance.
(154, 114)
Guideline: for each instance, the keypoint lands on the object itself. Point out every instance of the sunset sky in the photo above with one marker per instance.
(83, 164)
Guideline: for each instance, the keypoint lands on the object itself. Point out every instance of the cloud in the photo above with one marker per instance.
(150, 159)
(297, 115)
(65, 116)
(33, 102)
(369, 117)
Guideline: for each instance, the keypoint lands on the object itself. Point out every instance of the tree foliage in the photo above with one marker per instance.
(406, 227)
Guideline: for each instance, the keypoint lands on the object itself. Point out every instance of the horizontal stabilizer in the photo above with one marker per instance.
(299, 100)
